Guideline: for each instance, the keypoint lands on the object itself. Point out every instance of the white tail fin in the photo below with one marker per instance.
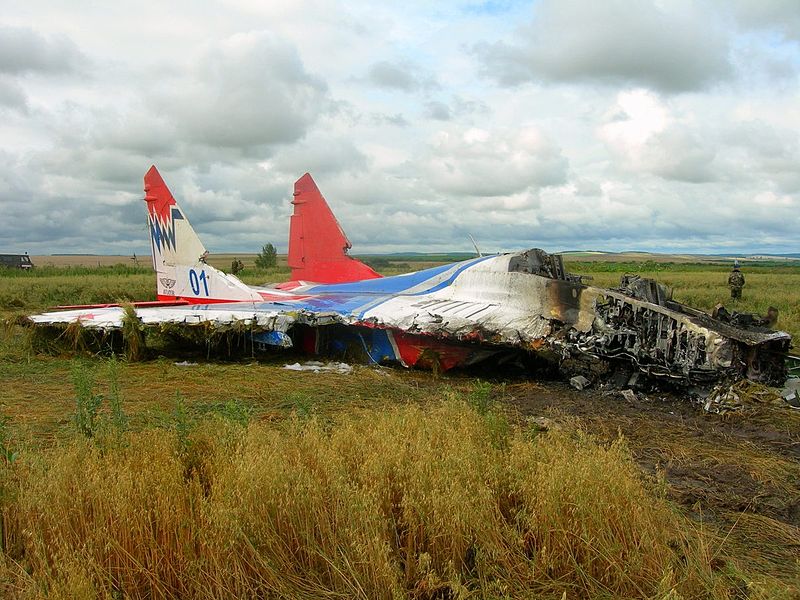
(179, 255)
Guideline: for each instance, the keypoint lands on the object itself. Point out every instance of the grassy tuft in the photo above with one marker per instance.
(133, 336)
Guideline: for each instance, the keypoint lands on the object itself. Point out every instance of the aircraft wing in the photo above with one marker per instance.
(430, 301)
(450, 309)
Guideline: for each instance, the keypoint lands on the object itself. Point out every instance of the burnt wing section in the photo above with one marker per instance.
(639, 323)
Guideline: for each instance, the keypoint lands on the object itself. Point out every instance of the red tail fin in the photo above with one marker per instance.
(317, 245)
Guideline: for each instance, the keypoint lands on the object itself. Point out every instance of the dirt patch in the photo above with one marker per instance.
(723, 470)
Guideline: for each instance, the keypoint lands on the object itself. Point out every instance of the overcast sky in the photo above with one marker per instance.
(562, 124)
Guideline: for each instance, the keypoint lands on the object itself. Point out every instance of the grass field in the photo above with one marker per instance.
(241, 479)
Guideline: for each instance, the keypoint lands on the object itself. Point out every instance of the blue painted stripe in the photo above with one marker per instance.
(395, 284)
(350, 299)
(375, 343)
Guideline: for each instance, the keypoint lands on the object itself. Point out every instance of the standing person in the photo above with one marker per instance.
(736, 281)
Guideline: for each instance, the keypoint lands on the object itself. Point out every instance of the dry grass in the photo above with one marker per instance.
(393, 503)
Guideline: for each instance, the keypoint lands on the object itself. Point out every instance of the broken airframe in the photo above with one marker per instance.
(500, 307)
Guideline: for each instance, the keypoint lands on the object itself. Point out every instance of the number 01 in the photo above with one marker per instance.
(194, 281)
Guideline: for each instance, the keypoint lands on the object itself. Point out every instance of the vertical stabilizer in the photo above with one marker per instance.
(179, 255)
(317, 245)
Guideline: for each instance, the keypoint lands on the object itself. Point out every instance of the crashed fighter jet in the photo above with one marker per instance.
(495, 307)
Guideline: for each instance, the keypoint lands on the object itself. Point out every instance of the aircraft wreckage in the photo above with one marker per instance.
(499, 307)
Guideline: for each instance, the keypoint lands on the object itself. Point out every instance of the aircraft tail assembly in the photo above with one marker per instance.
(317, 245)
(179, 255)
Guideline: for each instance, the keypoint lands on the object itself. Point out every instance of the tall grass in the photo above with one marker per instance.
(21, 294)
(393, 503)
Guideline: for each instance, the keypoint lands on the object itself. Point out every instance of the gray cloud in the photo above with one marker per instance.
(778, 15)
(43, 222)
(23, 50)
(615, 42)
(12, 95)
(680, 155)
(321, 153)
(765, 154)
(439, 111)
(404, 77)
(456, 108)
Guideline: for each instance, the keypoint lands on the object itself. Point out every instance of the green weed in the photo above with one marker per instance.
(87, 402)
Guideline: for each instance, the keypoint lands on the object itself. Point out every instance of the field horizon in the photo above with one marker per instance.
(223, 259)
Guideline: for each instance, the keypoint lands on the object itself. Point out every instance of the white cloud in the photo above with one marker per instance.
(251, 89)
(645, 136)
(478, 162)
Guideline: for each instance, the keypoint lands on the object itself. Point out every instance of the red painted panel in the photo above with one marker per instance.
(317, 245)
(424, 351)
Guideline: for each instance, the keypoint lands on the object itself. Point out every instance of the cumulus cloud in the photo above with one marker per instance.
(456, 108)
(777, 15)
(41, 216)
(250, 90)
(644, 136)
(759, 150)
(12, 95)
(319, 153)
(23, 50)
(438, 111)
(662, 46)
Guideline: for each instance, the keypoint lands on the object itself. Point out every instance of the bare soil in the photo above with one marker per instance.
(738, 472)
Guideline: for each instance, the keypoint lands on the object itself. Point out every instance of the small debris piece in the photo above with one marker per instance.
(629, 395)
(320, 367)
(185, 363)
(579, 382)
(791, 392)
(634, 380)
(727, 398)
(619, 379)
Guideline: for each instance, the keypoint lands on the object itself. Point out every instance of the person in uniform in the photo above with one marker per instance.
(736, 281)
